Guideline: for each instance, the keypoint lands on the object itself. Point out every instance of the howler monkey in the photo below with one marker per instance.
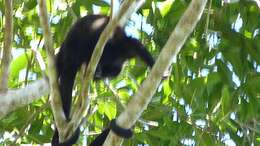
(77, 49)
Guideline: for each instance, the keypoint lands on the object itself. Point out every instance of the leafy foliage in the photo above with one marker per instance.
(211, 96)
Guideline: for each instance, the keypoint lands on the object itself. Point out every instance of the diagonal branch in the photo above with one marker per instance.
(144, 95)
(56, 103)
(8, 37)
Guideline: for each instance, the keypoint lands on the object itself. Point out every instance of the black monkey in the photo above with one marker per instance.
(77, 49)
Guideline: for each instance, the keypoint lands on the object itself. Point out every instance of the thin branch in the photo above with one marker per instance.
(8, 37)
(56, 103)
(112, 8)
(144, 95)
(39, 57)
(30, 60)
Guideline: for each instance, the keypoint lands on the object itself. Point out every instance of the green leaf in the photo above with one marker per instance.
(108, 108)
(213, 79)
(29, 5)
(252, 86)
(226, 101)
(225, 73)
(17, 65)
(167, 90)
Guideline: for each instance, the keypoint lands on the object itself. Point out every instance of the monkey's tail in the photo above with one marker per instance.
(66, 82)
(100, 139)
(66, 76)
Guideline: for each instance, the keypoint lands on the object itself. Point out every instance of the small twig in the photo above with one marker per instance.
(29, 65)
(117, 98)
(39, 57)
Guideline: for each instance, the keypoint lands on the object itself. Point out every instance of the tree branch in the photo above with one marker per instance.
(56, 103)
(144, 95)
(13, 99)
(8, 37)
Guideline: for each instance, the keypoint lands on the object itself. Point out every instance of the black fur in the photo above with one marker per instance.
(69, 142)
(77, 49)
(119, 131)
(100, 139)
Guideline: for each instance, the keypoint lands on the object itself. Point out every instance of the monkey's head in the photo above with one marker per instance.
(111, 61)
(117, 50)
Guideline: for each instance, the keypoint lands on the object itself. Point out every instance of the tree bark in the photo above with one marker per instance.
(8, 37)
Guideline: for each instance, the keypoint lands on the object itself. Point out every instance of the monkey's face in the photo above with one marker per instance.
(115, 53)
(107, 69)
(111, 63)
